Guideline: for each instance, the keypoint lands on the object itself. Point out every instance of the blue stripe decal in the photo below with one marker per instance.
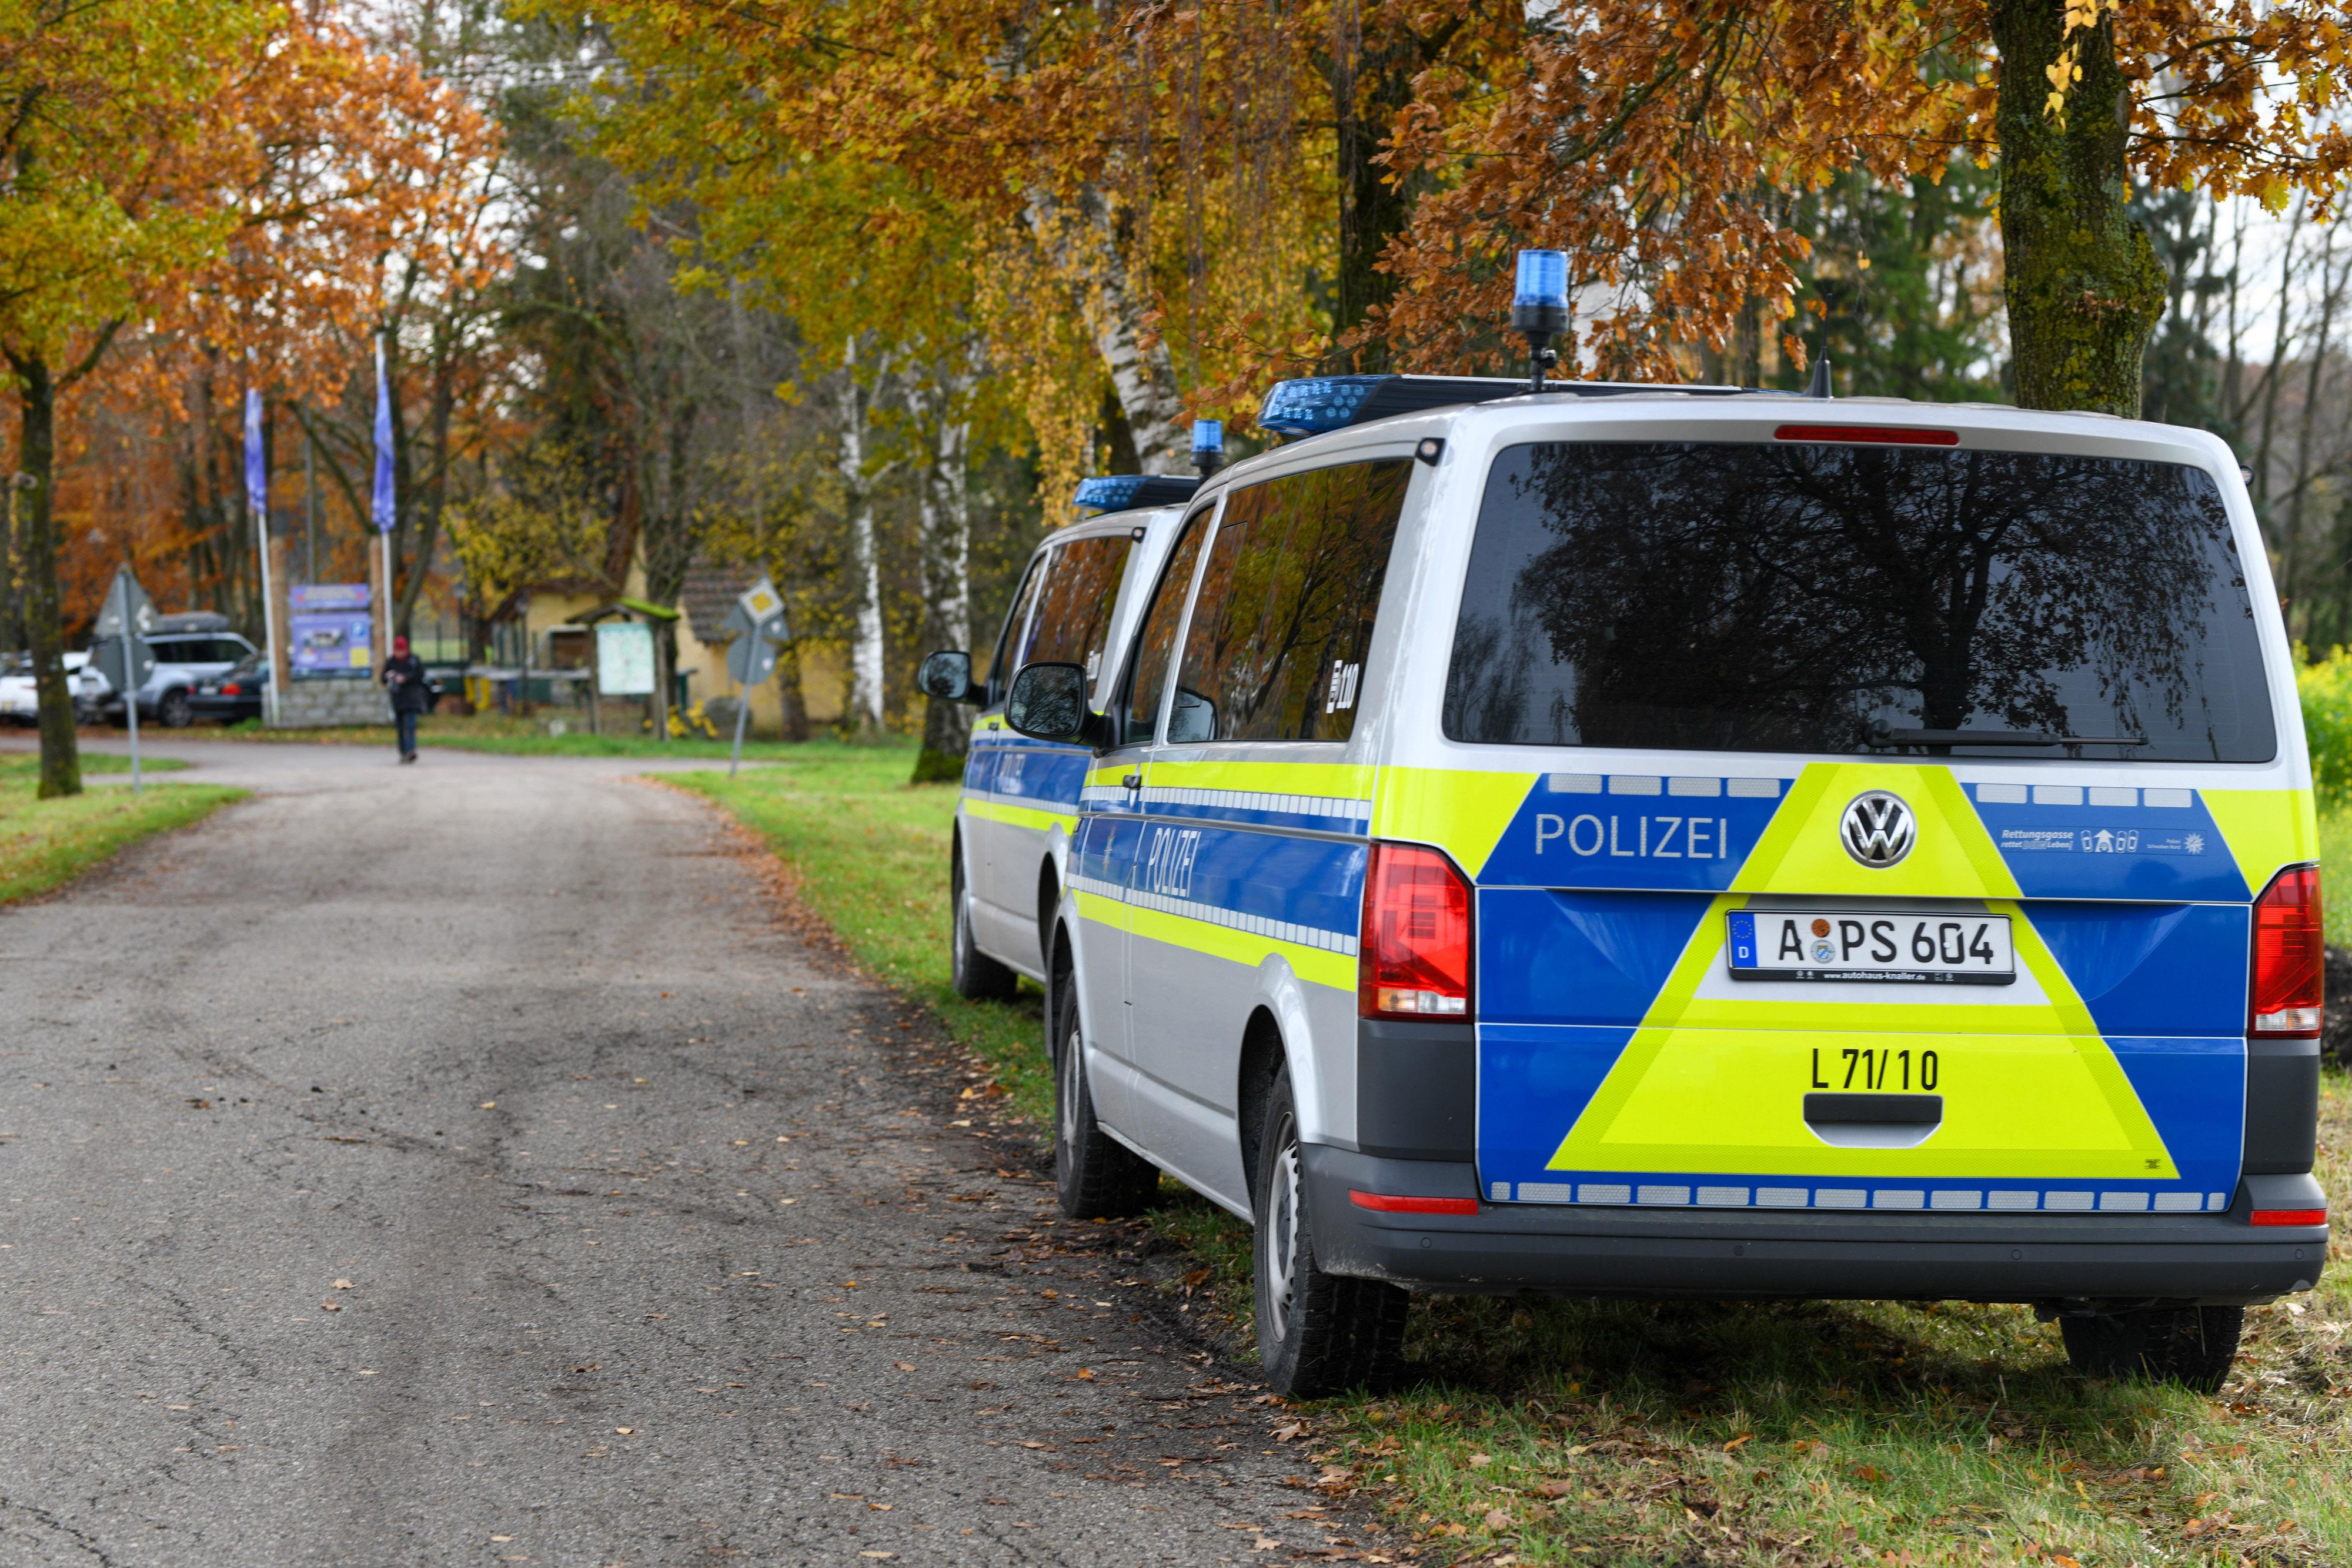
(1582, 958)
(1044, 775)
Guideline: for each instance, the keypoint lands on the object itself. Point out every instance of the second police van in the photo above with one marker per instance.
(1676, 842)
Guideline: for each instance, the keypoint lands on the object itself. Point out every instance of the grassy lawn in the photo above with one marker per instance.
(46, 843)
(1672, 1433)
(16, 765)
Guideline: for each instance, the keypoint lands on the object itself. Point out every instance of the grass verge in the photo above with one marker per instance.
(1696, 1432)
(870, 854)
(16, 765)
(47, 843)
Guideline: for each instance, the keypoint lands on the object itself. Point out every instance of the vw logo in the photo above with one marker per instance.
(1877, 829)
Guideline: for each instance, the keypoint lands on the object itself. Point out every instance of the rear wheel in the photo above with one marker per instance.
(2192, 1346)
(1095, 1176)
(174, 711)
(975, 973)
(1317, 1334)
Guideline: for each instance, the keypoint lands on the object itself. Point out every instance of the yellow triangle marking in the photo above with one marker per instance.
(1801, 853)
(2031, 1092)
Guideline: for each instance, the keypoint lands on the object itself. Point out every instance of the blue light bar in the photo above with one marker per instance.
(1208, 436)
(1120, 492)
(1313, 404)
(1543, 278)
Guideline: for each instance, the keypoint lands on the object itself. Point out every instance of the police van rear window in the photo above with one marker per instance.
(1867, 600)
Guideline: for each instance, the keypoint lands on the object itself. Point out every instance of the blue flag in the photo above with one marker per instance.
(256, 469)
(386, 512)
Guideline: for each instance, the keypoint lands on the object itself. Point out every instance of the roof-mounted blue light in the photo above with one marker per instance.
(1543, 278)
(1313, 404)
(1121, 492)
(1208, 436)
(1318, 403)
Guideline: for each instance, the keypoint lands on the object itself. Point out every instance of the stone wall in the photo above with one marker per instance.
(322, 704)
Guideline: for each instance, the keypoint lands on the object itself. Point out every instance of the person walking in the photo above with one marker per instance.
(403, 676)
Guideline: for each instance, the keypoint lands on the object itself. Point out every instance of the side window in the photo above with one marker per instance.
(1001, 669)
(1285, 616)
(1073, 621)
(1138, 707)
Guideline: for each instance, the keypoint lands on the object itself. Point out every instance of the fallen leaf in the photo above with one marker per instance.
(1288, 1430)
(331, 1306)
(904, 1366)
(626, 1431)
(489, 1104)
(342, 1285)
(1733, 1446)
(1498, 1519)
(1556, 1489)
(1480, 1461)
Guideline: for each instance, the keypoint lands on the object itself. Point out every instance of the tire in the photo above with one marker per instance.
(975, 975)
(1096, 1177)
(1317, 1334)
(174, 711)
(2191, 1346)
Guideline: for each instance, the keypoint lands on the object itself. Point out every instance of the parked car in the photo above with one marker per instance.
(237, 693)
(20, 702)
(188, 649)
(1644, 841)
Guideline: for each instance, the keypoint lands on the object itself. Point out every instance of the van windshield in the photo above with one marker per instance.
(1868, 601)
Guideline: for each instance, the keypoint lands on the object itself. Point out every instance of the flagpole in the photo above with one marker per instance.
(383, 502)
(256, 490)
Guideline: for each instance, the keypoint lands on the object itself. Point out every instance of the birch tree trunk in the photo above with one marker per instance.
(942, 404)
(1082, 240)
(853, 409)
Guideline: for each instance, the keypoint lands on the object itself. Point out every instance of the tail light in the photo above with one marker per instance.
(231, 689)
(1414, 958)
(2288, 959)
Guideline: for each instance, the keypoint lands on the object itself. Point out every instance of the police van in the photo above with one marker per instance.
(1075, 604)
(1694, 842)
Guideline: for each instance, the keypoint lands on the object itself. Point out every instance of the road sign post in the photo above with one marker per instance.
(124, 656)
(757, 625)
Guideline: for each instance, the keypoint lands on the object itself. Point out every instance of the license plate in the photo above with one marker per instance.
(1843, 945)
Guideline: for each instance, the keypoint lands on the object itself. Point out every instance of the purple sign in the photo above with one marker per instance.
(326, 596)
(331, 632)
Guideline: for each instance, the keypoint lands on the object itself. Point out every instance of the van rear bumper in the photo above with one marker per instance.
(1572, 1249)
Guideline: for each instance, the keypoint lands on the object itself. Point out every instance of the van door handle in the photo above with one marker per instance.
(1132, 781)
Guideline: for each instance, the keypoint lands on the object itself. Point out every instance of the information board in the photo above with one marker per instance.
(625, 659)
(331, 631)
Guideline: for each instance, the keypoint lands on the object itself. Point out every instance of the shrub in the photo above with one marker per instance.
(2326, 687)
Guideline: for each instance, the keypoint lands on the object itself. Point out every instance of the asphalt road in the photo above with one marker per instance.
(469, 1163)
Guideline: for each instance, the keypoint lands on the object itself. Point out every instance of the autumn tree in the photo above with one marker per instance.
(118, 141)
(1653, 138)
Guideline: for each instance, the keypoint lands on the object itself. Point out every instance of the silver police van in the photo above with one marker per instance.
(1691, 842)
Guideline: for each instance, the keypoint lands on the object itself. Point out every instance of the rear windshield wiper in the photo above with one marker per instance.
(1878, 733)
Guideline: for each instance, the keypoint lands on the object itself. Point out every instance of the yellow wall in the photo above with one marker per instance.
(822, 668)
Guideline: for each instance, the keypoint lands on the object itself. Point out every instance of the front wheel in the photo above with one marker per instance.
(1317, 1334)
(1095, 1176)
(974, 974)
(2191, 1346)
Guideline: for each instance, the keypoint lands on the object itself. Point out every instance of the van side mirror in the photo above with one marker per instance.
(1048, 702)
(947, 676)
